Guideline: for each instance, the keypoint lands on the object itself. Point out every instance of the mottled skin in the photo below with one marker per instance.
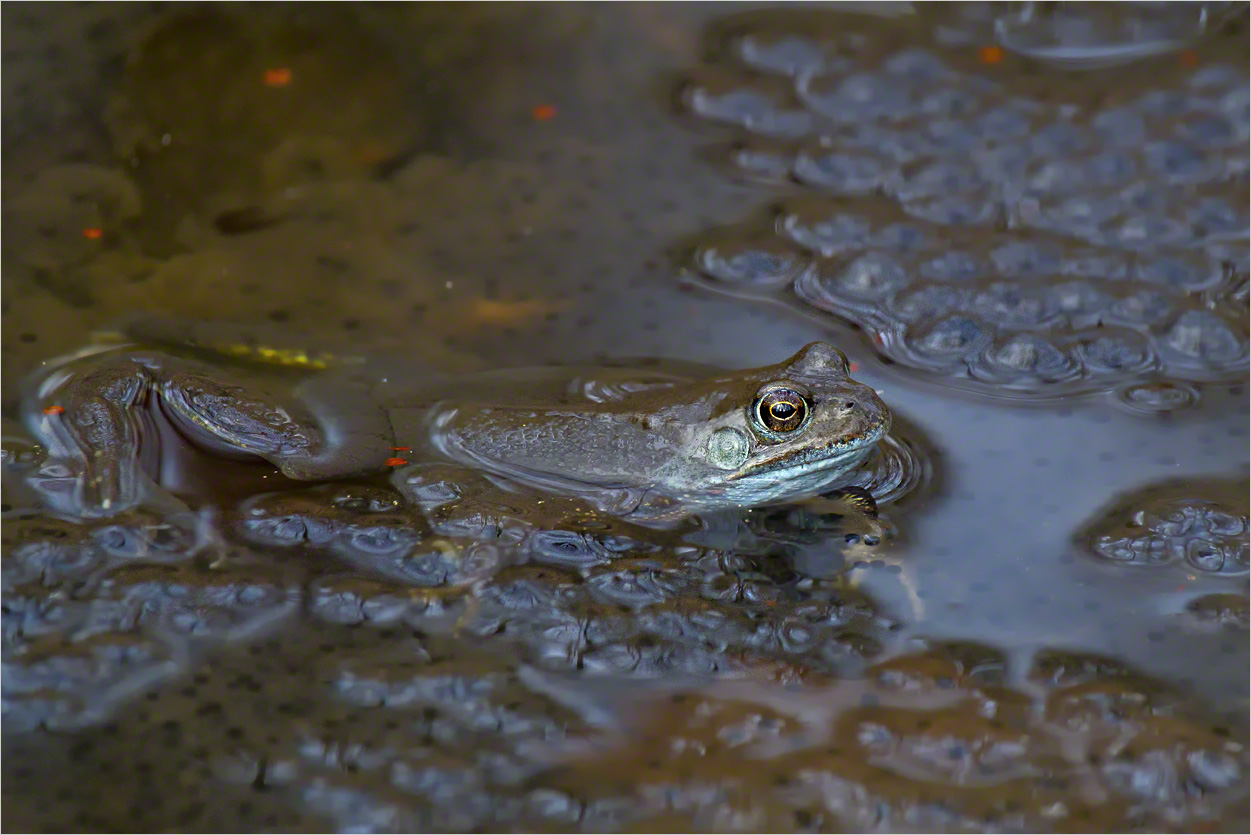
(625, 439)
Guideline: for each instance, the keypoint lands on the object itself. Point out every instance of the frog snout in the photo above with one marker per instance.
(865, 410)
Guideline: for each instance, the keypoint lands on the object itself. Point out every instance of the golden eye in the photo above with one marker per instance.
(782, 410)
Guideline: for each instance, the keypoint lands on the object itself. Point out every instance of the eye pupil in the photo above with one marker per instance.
(782, 411)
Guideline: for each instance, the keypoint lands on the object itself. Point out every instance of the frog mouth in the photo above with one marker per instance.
(838, 455)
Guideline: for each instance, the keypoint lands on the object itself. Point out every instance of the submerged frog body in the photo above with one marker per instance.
(628, 440)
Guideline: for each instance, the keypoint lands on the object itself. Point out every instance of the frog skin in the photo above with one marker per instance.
(625, 439)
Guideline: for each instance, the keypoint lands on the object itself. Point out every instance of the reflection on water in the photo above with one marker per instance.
(1039, 624)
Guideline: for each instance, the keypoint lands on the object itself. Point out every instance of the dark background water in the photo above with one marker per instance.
(489, 185)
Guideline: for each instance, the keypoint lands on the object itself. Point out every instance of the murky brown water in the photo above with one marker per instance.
(1043, 269)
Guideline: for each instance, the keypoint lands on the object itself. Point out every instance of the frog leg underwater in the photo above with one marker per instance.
(93, 417)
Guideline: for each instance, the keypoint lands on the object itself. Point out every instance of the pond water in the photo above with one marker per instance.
(1025, 226)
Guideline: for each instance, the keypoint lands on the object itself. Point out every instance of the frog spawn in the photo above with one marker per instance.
(437, 729)
(999, 752)
(363, 553)
(1229, 611)
(976, 232)
(577, 589)
(1199, 530)
(569, 603)
(994, 315)
(95, 613)
(1090, 38)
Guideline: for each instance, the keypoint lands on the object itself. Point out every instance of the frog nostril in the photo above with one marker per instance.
(849, 405)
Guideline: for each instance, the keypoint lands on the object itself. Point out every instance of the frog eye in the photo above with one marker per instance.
(782, 410)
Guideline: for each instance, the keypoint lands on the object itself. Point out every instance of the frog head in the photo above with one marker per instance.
(782, 431)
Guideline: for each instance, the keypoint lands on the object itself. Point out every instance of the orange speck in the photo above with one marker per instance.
(544, 112)
(396, 462)
(93, 233)
(54, 410)
(278, 77)
(401, 449)
(1189, 58)
(504, 313)
(990, 54)
(854, 366)
(373, 153)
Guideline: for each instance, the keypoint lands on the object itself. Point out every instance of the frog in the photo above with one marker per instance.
(630, 439)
